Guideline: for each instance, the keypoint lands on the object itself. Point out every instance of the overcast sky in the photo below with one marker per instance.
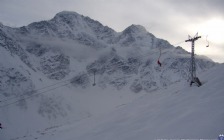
(172, 20)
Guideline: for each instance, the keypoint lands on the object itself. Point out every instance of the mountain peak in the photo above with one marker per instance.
(67, 16)
(67, 13)
(135, 29)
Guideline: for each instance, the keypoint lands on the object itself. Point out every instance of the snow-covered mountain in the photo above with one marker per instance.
(50, 63)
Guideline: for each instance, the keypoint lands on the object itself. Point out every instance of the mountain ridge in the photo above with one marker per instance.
(44, 42)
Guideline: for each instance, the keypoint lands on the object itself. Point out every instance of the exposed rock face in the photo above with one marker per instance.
(14, 83)
(81, 80)
(55, 66)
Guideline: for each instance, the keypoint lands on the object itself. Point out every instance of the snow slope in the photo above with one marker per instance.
(177, 112)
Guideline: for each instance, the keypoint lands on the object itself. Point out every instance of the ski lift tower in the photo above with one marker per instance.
(194, 79)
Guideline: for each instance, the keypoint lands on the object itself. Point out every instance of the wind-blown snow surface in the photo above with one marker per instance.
(177, 112)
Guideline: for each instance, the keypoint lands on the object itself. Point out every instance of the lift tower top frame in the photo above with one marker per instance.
(194, 78)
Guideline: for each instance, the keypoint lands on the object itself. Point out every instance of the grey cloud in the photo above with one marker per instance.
(196, 8)
(166, 19)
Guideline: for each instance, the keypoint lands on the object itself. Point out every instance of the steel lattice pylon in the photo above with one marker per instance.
(194, 78)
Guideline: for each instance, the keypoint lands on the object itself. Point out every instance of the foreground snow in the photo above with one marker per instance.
(177, 112)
